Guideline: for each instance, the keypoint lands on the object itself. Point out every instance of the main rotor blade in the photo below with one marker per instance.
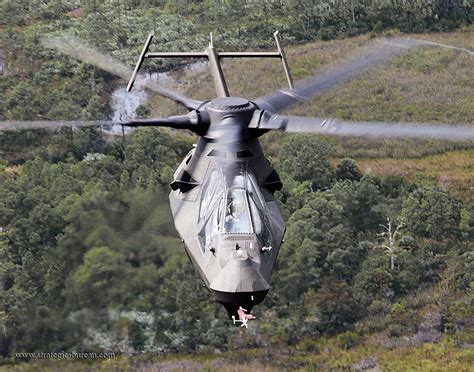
(50, 124)
(73, 47)
(336, 127)
(377, 52)
(194, 121)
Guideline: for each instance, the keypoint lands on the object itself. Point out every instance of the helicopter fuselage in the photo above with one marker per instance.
(226, 214)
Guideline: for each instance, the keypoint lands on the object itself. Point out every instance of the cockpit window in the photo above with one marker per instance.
(237, 215)
(232, 203)
(258, 211)
(254, 191)
(212, 195)
(213, 192)
(207, 237)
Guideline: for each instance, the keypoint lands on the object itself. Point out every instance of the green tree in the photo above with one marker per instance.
(374, 280)
(306, 158)
(95, 109)
(99, 280)
(314, 232)
(192, 318)
(432, 212)
(64, 110)
(333, 305)
(347, 170)
(361, 203)
(344, 263)
(20, 102)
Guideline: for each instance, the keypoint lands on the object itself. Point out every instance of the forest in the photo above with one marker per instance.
(377, 269)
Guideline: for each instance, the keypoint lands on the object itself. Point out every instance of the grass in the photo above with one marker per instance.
(360, 349)
(442, 356)
(427, 357)
(453, 169)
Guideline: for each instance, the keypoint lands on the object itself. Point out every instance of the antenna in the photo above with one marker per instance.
(140, 60)
(214, 57)
(283, 60)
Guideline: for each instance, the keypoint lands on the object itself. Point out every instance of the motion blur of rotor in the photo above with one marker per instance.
(260, 115)
(222, 196)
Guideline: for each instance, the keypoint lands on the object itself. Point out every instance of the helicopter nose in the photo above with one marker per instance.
(240, 254)
(239, 284)
(240, 274)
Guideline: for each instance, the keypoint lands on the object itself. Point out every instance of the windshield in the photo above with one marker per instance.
(237, 216)
(258, 211)
(212, 195)
(232, 203)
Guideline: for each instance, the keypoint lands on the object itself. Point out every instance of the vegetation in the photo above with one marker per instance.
(89, 258)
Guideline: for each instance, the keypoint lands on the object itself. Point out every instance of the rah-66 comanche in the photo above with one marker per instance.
(222, 196)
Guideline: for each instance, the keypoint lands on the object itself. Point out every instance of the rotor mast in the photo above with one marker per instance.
(214, 57)
(216, 70)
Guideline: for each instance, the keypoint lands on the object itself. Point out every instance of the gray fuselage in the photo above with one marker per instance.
(227, 217)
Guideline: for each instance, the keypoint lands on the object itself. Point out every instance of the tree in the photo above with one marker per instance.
(333, 305)
(374, 280)
(98, 281)
(314, 232)
(344, 262)
(95, 109)
(188, 313)
(20, 102)
(64, 110)
(143, 111)
(391, 245)
(148, 154)
(306, 158)
(347, 170)
(431, 212)
(360, 201)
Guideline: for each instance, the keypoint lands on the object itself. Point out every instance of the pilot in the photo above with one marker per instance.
(234, 212)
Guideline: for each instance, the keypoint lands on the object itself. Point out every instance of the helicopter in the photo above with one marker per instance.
(223, 192)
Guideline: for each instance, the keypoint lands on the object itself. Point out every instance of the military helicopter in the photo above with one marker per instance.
(222, 197)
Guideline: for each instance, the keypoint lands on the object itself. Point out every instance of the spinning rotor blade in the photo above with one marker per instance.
(336, 127)
(377, 52)
(49, 124)
(73, 47)
(194, 121)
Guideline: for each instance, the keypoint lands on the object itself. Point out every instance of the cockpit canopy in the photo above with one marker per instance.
(231, 204)
(237, 218)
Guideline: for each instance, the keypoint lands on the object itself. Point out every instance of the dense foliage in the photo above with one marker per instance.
(120, 26)
(89, 258)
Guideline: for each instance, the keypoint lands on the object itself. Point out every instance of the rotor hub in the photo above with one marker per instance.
(229, 118)
(229, 104)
